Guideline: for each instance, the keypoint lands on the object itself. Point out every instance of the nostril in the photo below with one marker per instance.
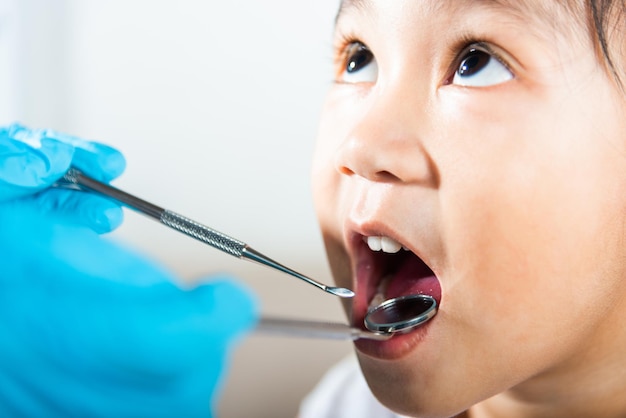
(385, 177)
(345, 170)
(381, 176)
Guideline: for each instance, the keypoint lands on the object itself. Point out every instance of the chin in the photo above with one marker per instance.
(404, 387)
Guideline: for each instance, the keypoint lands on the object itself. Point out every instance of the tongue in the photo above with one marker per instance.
(413, 277)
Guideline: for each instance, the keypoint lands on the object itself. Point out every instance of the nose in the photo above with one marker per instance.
(386, 143)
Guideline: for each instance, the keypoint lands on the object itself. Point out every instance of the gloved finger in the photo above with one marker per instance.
(233, 308)
(54, 245)
(233, 313)
(100, 161)
(193, 324)
(191, 348)
(25, 170)
(81, 208)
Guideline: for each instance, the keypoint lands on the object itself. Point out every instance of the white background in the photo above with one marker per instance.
(215, 105)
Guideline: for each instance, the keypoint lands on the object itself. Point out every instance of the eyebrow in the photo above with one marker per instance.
(345, 5)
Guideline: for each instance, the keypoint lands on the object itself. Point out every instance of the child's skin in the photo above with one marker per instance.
(510, 184)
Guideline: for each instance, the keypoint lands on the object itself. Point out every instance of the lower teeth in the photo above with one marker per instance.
(379, 297)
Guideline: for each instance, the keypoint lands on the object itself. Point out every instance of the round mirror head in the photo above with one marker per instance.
(401, 314)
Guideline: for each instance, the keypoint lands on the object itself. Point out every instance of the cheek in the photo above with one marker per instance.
(541, 217)
(325, 178)
(328, 195)
(324, 181)
(532, 209)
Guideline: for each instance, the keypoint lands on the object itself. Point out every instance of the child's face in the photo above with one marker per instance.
(494, 148)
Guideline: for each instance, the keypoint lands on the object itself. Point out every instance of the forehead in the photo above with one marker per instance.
(547, 12)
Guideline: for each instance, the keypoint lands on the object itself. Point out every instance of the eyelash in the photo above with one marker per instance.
(342, 48)
(463, 46)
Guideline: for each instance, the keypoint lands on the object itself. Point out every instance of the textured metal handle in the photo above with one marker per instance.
(203, 233)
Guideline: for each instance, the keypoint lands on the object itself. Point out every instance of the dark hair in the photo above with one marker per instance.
(603, 14)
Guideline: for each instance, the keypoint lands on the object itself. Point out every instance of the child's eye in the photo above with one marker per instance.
(359, 64)
(478, 67)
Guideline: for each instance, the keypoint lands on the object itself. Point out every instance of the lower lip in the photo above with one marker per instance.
(396, 347)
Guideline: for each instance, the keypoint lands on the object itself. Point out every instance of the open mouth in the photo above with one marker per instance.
(386, 269)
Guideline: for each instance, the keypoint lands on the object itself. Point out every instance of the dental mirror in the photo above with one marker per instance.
(401, 314)
(396, 315)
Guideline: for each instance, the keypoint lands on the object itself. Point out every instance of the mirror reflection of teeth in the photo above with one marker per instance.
(385, 244)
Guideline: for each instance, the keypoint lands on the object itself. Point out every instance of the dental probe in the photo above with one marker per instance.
(76, 179)
(315, 329)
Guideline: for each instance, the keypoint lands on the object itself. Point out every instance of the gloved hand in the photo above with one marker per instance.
(88, 328)
(32, 160)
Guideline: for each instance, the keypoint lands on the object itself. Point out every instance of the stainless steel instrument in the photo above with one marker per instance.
(74, 178)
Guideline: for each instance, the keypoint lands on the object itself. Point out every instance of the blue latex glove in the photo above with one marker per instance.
(31, 160)
(88, 328)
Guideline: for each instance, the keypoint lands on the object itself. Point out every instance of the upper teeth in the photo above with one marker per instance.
(386, 244)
